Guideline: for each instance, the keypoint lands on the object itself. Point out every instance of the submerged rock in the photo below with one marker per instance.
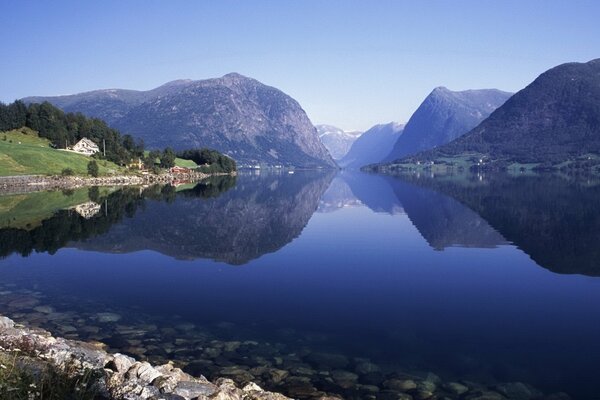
(517, 391)
(105, 317)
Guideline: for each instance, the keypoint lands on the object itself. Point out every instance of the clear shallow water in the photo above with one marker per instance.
(422, 276)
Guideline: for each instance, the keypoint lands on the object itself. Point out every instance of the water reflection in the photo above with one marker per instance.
(427, 282)
(554, 219)
(214, 219)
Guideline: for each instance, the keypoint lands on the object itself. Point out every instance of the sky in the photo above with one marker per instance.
(351, 64)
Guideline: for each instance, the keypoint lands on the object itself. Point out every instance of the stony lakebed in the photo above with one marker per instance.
(230, 362)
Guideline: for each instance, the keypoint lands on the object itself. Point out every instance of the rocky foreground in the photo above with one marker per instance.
(111, 376)
(116, 376)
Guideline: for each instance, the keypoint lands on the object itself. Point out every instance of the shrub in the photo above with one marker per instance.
(67, 172)
(93, 169)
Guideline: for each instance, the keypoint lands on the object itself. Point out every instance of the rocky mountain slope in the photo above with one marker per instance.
(554, 119)
(336, 140)
(239, 116)
(443, 116)
(372, 146)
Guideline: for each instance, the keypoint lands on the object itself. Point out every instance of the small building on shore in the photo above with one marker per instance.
(179, 170)
(86, 147)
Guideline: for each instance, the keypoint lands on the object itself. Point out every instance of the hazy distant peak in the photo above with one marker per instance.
(394, 126)
(177, 82)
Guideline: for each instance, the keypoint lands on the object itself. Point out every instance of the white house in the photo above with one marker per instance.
(85, 146)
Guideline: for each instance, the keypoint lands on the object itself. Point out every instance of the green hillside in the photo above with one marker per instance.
(23, 152)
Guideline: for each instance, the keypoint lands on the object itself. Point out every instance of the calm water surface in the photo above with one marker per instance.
(484, 279)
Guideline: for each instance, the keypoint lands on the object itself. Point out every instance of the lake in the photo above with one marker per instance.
(323, 282)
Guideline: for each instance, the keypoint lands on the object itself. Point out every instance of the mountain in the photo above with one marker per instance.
(239, 116)
(554, 119)
(372, 146)
(443, 116)
(336, 140)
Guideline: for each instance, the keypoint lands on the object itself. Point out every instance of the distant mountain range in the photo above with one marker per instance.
(336, 140)
(239, 116)
(443, 116)
(553, 121)
(372, 146)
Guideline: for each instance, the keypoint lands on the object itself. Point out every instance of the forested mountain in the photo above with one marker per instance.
(241, 117)
(443, 116)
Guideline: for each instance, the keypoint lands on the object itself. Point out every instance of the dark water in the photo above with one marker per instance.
(482, 279)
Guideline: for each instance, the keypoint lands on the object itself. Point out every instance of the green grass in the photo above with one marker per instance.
(180, 162)
(22, 152)
(27, 211)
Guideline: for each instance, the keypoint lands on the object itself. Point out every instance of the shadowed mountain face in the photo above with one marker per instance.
(372, 146)
(554, 119)
(554, 220)
(443, 116)
(260, 215)
(251, 122)
(336, 140)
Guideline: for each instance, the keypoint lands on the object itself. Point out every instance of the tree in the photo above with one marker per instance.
(151, 158)
(167, 159)
(93, 169)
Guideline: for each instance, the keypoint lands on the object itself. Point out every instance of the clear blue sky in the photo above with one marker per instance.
(349, 63)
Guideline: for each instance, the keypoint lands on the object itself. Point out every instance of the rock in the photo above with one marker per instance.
(44, 309)
(185, 327)
(393, 395)
(366, 368)
(106, 317)
(231, 346)
(252, 387)
(149, 391)
(24, 302)
(6, 323)
(121, 363)
(344, 379)
(427, 386)
(485, 395)
(328, 361)
(400, 384)
(191, 390)
(167, 396)
(423, 394)
(147, 373)
(277, 375)
(372, 378)
(517, 391)
(455, 388)
(431, 377)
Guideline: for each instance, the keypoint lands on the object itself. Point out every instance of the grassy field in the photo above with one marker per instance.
(180, 162)
(22, 152)
(26, 211)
